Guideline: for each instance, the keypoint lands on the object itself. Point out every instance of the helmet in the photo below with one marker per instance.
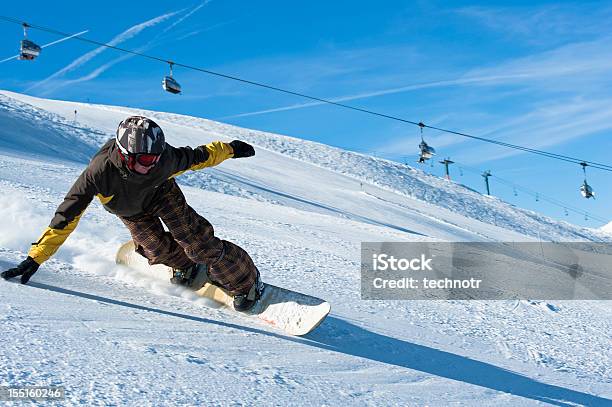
(139, 135)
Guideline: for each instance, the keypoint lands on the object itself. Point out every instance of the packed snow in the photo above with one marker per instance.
(112, 335)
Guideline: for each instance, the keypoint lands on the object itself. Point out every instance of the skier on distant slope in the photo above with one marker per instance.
(133, 176)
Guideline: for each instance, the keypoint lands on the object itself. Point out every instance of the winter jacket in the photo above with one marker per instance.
(121, 191)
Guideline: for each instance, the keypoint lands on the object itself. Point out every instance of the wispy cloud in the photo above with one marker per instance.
(544, 126)
(435, 84)
(124, 36)
(186, 16)
(95, 73)
(540, 100)
(547, 126)
(542, 69)
(567, 99)
(212, 27)
(545, 23)
(578, 85)
(345, 68)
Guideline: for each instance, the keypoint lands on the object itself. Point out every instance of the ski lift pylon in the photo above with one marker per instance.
(169, 83)
(28, 50)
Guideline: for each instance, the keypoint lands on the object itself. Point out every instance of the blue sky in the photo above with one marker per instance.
(531, 73)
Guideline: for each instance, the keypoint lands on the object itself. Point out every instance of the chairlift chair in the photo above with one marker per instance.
(585, 188)
(28, 50)
(587, 191)
(426, 151)
(170, 84)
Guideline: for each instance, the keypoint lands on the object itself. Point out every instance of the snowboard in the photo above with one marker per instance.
(292, 312)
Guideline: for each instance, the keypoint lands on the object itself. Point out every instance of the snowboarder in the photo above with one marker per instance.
(133, 175)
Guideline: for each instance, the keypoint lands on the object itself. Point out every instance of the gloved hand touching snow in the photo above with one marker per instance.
(242, 149)
(25, 269)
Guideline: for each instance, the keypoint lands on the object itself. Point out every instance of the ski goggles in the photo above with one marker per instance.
(146, 160)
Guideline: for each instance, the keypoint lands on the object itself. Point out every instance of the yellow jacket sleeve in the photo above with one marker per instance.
(50, 241)
(66, 218)
(208, 155)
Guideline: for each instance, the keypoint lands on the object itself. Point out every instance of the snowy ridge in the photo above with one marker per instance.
(114, 336)
(399, 179)
(45, 133)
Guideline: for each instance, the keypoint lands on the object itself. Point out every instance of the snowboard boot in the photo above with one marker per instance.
(246, 302)
(194, 276)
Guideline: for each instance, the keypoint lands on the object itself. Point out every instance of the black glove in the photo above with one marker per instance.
(242, 149)
(25, 269)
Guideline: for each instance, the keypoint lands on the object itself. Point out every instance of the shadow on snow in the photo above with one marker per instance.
(337, 335)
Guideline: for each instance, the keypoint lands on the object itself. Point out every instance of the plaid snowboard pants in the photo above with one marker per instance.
(190, 239)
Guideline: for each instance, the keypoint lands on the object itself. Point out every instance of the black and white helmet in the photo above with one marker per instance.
(139, 135)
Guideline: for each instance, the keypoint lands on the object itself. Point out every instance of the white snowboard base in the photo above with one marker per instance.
(294, 313)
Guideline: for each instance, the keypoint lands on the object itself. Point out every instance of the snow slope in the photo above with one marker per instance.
(115, 336)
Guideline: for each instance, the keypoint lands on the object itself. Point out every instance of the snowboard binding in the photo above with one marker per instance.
(246, 302)
(193, 277)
